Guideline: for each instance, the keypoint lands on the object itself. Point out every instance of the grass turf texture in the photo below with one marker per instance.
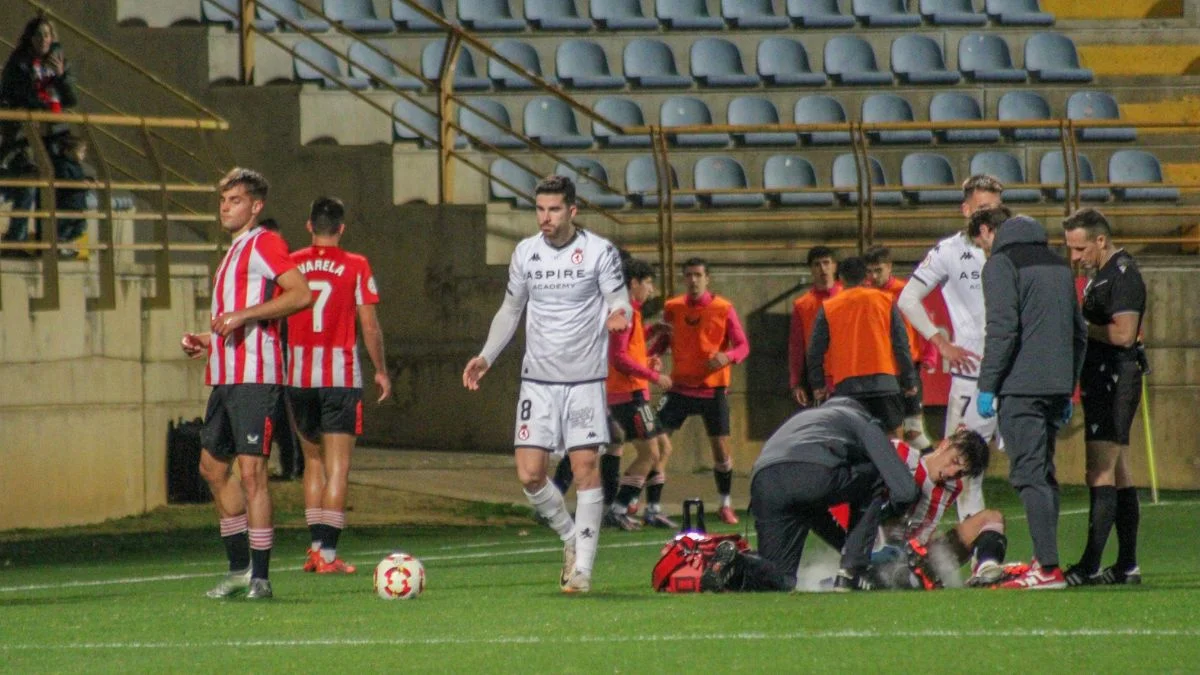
(128, 596)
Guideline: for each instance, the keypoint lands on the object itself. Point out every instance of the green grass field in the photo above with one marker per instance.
(129, 597)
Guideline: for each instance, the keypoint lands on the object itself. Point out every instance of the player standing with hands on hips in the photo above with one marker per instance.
(256, 285)
(572, 285)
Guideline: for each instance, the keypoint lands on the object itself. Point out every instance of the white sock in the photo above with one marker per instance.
(328, 554)
(970, 500)
(549, 503)
(726, 500)
(589, 508)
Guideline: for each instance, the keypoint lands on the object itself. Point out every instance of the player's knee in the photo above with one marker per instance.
(213, 472)
(991, 519)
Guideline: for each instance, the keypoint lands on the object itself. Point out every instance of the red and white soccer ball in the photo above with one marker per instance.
(399, 577)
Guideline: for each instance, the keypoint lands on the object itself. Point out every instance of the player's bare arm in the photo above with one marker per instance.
(295, 297)
(910, 305)
(373, 339)
(617, 321)
(1122, 332)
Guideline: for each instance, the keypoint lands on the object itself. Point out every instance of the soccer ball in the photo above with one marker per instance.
(399, 576)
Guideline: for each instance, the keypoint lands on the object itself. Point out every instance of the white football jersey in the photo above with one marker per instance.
(956, 264)
(563, 291)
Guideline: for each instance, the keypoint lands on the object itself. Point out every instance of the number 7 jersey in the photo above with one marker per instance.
(322, 340)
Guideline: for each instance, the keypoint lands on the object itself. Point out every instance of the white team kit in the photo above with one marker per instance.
(562, 404)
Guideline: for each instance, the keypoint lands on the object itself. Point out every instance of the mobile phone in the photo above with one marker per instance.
(55, 47)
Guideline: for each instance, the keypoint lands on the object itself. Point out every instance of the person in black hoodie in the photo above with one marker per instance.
(1032, 358)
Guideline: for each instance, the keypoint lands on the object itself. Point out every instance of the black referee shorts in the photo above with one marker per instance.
(1111, 390)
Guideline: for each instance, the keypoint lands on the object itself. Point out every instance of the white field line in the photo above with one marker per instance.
(459, 556)
(1031, 633)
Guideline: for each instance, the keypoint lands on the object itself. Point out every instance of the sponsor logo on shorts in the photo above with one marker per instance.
(581, 419)
(252, 439)
(523, 432)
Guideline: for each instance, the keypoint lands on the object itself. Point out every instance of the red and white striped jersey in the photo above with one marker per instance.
(322, 340)
(246, 277)
(925, 515)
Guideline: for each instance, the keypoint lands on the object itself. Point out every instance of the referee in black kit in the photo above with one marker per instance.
(1114, 303)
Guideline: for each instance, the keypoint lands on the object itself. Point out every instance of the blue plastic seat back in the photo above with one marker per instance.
(821, 109)
(752, 14)
(494, 133)
(755, 110)
(368, 64)
(718, 62)
(724, 173)
(892, 108)
(521, 53)
(1138, 166)
(358, 16)
(488, 15)
(951, 13)
(886, 13)
(589, 175)
(1026, 105)
(818, 14)
(408, 18)
(928, 168)
(621, 15)
(419, 124)
(520, 179)
(687, 15)
(1007, 168)
(551, 122)
(620, 111)
(959, 106)
(652, 61)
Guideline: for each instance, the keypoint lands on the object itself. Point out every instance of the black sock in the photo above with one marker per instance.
(1128, 516)
(610, 476)
(317, 532)
(563, 476)
(1100, 521)
(653, 490)
(260, 563)
(237, 549)
(990, 545)
(724, 481)
(330, 540)
(627, 493)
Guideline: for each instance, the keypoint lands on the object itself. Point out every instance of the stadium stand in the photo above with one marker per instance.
(690, 111)
(321, 57)
(584, 65)
(951, 13)
(1051, 57)
(588, 175)
(488, 15)
(520, 53)
(686, 15)
(622, 15)
(724, 173)
(756, 110)
(984, 57)
(407, 18)
(465, 77)
(849, 60)
(821, 109)
(718, 63)
(845, 176)
(782, 174)
(892, 108)
(226, 12)
(367, 64)
(818, 14)
(413, 123)
(1017, 13)
(1138, 166)
(1026, 105)
(650, 63)
(620, 111)
(641, 182)
(952, 106)
(752, 15)
(784, 62)
(929, 168)
(505, 170)
(1098, 105)
(555, 15)
(497, 133)
(884, 14)
(358, 16)
(917, 59)
(1053, 171)
(1008, 169)
(290, 17)
(551, 122)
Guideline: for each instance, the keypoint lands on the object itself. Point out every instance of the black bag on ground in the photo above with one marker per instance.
(184, 483)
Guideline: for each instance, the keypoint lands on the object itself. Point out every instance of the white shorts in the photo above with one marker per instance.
(961, 410)
(559, 418)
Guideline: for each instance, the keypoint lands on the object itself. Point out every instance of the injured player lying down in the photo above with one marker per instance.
(914, 554)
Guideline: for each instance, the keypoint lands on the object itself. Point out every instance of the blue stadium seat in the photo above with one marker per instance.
(620, 111)
(1137, 166)
(687, 111)
(1053, 171)
(892, 108)
(641, 184)
(783, 62)
(368, 64)
(290, 10)
(551, 123)
(357, 16)
(818, 14)
(583, 64)
(958, 106)
(227, 12)
(984, 57)
(488, 15)
(917, 59)
(928, 168)
(755, 110)
(724, 173)
(621, 15)
(1018, 13)
(821, 109)
(1007, 169)
(1098, 105)
(845, 175)
(1026, 105)
(524, 182)
(521, 53)
(752, 14)
(951, 13)
(418, 124)
(555, 15)
(782, 173)
(407, 18)
(1051, 57)
(686, 15)
(884, 14)
(465, 78)
(589, 175)
(718, 63)
(850, 60)
(320, 56)
(476, 124)
(650, 63)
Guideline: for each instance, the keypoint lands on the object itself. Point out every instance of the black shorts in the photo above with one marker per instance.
(241, 418)
(889, 409)
(912, 404)
(326, 410)
(674, 409)
(1109, 403)
(636, 418)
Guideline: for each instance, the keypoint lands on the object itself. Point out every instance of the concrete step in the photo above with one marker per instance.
(1125, 60)
(1126, 9)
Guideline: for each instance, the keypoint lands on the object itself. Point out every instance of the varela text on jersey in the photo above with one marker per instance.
(322, 265)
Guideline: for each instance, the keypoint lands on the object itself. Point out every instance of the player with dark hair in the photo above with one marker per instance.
(706, 337)
(256, 285)
(325, 383)
(1114, 303)
(822, 267)
(571, 283)
(862, 335)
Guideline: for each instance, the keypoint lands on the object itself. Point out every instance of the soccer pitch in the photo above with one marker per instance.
(135, 603)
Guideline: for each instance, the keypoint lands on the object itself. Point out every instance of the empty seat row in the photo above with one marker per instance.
(551, 122)
(648, 63)
(791, 180)
(624, 15)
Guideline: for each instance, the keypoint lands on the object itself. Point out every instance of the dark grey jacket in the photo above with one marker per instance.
(1036, 336)
(840, 433)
